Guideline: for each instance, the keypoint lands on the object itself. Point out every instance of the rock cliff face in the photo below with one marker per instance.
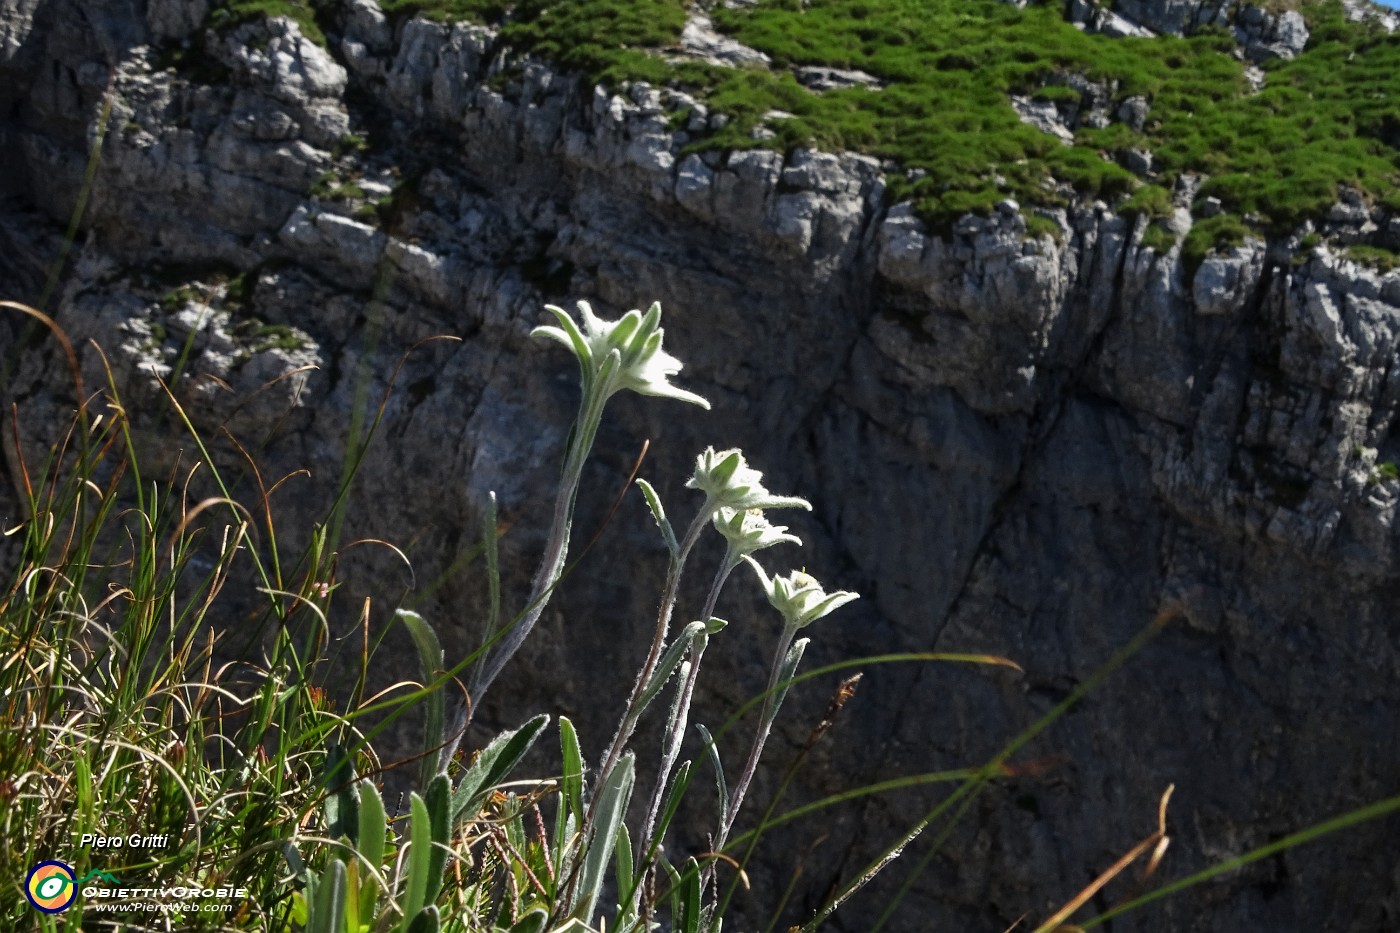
(1026, 445)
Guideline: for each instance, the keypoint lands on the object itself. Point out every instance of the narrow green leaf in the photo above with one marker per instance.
(674, 895)
(352, 895)
(568, 851)
(532, 921)
(328, 910)
(673, 800)
(659, 514)
(611, 808)
(667, 665)
(624, 878)
(720, 783)
(439, 804)
(370, 845)
(570, 790)
(430, 661)
(794, 658)
(420, 842)
(341, 803)
(428, 920)
(495, 762)
(692, 906)
(293, 858)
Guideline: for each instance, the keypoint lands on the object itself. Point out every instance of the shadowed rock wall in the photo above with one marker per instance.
(1022, 445)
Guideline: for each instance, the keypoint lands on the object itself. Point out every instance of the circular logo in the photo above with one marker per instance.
(51, 887)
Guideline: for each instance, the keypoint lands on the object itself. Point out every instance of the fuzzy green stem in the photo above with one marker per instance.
(681, 717)
(663, 623)
(551, 567)
(765, 725)
(633, 711)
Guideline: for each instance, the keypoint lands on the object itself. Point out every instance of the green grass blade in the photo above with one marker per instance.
(692, 905)
(673, 800)
(1347, 820)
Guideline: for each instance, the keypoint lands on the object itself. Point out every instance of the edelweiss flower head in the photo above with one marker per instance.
(728, 482)
(621, 354)
(748, 531)
(799, 597)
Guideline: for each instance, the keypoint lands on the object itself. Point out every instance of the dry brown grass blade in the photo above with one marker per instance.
(738, 866)
(1156, 843)
(62, 338)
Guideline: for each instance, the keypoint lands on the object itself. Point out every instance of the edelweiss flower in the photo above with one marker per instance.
(728, 482)
(621, 354)
(799, 597)
(748, 531)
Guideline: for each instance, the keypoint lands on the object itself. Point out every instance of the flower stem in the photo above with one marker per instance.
(765, 725)
(681, 715)
(663, 622)
(551, 567)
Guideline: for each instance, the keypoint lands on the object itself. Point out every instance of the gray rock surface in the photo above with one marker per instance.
(1262, 32)
(700, 40)
(1025, 445)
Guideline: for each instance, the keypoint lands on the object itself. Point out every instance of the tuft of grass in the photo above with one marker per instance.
(1158, 238)
(1038, 226)
(1154, 201)
(1375, 257)
(116, 718)
(1224, 231)
(227, 15)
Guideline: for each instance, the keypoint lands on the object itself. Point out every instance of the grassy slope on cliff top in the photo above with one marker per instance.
(1328, 118)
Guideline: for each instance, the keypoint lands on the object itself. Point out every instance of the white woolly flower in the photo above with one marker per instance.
(728, 482)
(799, 597)
(749, 531)
(621, 354)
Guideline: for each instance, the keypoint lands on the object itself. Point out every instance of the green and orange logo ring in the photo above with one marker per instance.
(51, 886)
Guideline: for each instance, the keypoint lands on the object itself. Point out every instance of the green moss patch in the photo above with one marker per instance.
(228, 14)
(948, 70)
(1378, 258)
(1222, 232)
